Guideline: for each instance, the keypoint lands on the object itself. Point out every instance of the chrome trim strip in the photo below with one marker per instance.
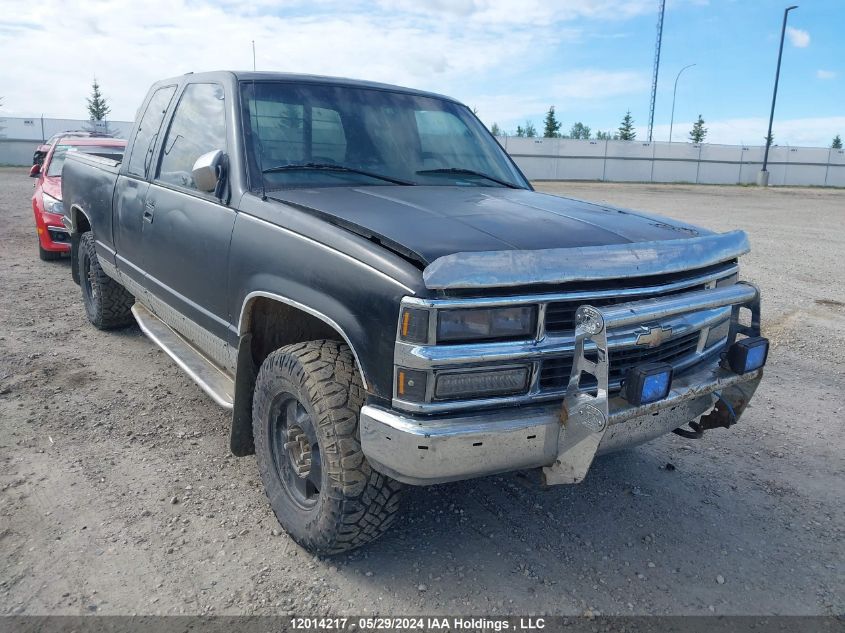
(501, 269)
(300, 306)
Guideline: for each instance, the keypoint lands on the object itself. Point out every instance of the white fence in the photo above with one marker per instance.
(560, 159)
(19, 136)
(636, 161)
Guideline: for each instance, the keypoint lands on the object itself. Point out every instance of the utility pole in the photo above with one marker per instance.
(656, 68)
(763, 176)
(675, 92)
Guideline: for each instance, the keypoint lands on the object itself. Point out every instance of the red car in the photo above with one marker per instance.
(53, 238)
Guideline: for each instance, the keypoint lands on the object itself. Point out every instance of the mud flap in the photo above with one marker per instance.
(240, 439)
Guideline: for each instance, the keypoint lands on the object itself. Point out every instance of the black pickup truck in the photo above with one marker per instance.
(366, 279)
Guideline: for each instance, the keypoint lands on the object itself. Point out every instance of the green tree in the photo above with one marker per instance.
(603, 136)
(837, 143)
(626, 128)
(770, 139)
(698, 131)
(579, 130)
(520, 131)
(496, 130)
(98, 108)
(551, 127)
(530, 130)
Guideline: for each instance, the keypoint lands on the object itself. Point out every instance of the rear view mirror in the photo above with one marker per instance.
(208, 171)
(34, 171)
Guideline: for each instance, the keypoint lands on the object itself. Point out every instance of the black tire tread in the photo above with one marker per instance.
(361, 503)
(113, 308)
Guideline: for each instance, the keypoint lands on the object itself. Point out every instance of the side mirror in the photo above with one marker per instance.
(208, 171)
(35, 171)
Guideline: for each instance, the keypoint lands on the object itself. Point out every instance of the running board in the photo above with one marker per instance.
(206, 374)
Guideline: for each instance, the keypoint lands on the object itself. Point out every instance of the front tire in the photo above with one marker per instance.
(107, 303)
(320, 485)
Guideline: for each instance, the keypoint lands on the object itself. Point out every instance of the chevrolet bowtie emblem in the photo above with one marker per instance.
(653, 336)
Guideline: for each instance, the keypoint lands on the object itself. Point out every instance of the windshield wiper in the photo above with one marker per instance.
(469, 172)
(332, 167)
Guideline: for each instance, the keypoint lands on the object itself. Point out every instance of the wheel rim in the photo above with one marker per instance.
(296, 452)
(88, 279)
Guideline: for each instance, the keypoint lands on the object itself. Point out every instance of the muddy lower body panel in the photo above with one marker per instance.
(426, 450)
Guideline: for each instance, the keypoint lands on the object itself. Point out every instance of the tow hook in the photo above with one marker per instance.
(723, 416)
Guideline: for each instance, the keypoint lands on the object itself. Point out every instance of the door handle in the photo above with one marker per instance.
(149, 211)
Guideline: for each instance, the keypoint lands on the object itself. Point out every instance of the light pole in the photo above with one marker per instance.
(674, 92)
(763, 176)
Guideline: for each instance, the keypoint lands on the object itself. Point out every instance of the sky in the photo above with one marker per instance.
(508, 59)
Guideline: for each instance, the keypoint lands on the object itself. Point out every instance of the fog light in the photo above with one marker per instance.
(480, 384)
(748, 354)
(648, 383)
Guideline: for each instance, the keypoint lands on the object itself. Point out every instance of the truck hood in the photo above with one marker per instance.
(424, 223)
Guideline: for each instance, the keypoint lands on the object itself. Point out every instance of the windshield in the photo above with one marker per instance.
(60, 153)
(312, 135)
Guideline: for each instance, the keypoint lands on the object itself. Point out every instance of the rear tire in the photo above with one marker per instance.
(107, 303)
(320, 485)
(47, 256)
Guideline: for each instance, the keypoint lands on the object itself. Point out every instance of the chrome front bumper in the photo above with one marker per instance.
(564, 439)
(422, 451)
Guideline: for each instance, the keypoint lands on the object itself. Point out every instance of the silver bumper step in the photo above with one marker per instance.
(206, 374)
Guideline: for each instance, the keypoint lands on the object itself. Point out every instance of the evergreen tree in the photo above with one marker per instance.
(520, 131)
(698, 131)
(579, 130)
(603, 136)
(837, 143)
(770, 139)
(98, 109)
(626, 129)
(551, 124)
(530, 130)
(496, 130)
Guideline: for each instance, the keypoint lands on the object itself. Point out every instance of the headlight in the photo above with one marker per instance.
(51, 205)
(478, 324)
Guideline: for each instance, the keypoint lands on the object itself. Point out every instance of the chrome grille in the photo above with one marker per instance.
(554, 372)
(560, 315)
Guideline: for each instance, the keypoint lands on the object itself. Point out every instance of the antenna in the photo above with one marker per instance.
(656, 68)
(253, 58)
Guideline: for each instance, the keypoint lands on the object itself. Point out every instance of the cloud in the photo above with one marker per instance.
(825, 74)
(805, 132)
(459, 47)
(798, 38)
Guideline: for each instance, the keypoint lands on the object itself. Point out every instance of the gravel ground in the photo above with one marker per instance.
(118, 494)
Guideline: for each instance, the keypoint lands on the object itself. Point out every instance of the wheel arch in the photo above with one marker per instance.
(258, 338)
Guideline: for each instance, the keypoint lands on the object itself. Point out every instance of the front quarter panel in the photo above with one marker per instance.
(342, 278)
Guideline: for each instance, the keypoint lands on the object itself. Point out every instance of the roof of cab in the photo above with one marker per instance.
(241, 75)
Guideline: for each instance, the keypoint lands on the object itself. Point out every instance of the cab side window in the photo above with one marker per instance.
(148, 127)
(198, 127)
